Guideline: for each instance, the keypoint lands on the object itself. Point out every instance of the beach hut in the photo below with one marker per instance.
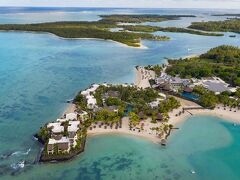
(141, 115)
(159, 117)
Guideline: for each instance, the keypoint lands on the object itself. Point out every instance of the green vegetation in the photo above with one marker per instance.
(43, 134)
(85, 30)
(128, 94)
(134, 119)
(149, 29)
(125, 96)
(222, 61)
(168, 105)
(107, 116)
(230, 25)
(207, 98)
(140, 18)
(113, 101)
(236, 15)
(81, 101)
(100, 29)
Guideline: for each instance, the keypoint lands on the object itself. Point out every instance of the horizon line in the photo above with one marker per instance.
(101, 7)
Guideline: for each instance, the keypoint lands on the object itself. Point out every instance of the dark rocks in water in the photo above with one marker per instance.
(163, 142)
(5, 156)
(70, 101)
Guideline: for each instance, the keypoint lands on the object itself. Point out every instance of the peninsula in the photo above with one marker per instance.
(151, 108)
(230, 25)
(102, 29)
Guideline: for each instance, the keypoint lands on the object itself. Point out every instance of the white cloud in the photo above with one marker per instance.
(228, 4)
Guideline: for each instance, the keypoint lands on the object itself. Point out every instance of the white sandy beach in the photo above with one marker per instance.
(143, 76)
(220, 111)
(147, 133)
(224, 113)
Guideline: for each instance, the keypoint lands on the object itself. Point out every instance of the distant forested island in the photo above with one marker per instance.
(101, 29)
(222, 61)
(140, 18)
(230, 25)
(236, 15)
(144, 28)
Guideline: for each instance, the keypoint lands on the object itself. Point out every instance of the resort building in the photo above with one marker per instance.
(154, 104)
(82, 114)
(113, 109)
(61, 145)
(159, 117)
(113, 94)
(91, 90)
(178, 83)
(167, 82)
(215, 84)
(71, 116)
(56, 127)
(64, 133)
(91, 102)
(72, 132)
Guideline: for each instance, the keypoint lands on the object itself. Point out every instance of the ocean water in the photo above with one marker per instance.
(39, 72)
(203, 148)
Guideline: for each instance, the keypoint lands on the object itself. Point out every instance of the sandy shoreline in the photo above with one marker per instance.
(147, 133)
(143, 76)
(113, 132)
(220, 111)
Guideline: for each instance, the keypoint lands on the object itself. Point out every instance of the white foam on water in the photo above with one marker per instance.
(19, 165)
(18, 153)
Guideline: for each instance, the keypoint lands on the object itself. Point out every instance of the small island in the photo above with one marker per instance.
(161, 97)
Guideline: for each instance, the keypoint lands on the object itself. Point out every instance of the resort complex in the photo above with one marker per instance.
(119, 93)
(149, 108)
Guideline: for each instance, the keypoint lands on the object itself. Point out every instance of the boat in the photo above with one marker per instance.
(232, 36)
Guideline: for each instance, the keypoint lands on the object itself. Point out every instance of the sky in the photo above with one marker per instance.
(213, 4)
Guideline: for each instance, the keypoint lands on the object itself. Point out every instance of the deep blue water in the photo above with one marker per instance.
(39, 72)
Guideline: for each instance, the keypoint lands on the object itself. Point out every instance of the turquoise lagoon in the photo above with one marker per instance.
(40, 71)
(205, 145)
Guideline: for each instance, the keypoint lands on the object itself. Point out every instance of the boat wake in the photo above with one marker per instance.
(17, 153)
